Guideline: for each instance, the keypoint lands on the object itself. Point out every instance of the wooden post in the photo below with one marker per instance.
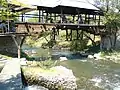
(88, 19)
(77, 34)
(54, 33)
(85, 18)
(39, 16)
(46, 17)
(73, 18)
(71, 35)
(19, 51)
(55, 17)
(42, 17)
(99, 20)
(58, 31)
(22, 17)
(61, 15)
(95, 19)
(18, 44)
(66, 34)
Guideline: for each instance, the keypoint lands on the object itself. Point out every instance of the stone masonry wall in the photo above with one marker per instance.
(8, 45)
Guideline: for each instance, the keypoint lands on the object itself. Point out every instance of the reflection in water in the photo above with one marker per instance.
(92, 74)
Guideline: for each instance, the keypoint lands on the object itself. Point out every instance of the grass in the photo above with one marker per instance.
(6, 56)
(37, 69)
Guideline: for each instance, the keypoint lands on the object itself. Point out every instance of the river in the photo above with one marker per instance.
(90, 74)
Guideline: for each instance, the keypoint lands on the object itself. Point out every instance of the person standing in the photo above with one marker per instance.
(12, 26)
(3, 26)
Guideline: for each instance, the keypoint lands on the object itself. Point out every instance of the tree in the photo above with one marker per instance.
(5, 10)
(111, 18)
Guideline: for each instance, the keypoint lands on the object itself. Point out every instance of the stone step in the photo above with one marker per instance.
(10, 76)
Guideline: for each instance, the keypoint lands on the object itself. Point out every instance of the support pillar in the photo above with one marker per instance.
(77, 34)
(19, 51)
(70, 35)
(39, 16)
(18, 43)
(99, 20)
(66, 34)
(53, 35)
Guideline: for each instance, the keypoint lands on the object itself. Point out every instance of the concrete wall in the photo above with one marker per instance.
(8, 45)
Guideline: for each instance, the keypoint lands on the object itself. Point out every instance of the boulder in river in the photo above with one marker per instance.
(59, 78)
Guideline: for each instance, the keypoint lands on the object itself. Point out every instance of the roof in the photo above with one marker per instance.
(20, 6)
(71, 3)
(54, 6)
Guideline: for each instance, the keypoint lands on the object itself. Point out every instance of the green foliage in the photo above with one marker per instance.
(111, 14)
(64, 44)
(112, 21)
(47, 64)
(32, 20)
(44, 39)
(111, 18)
(3, 3)
(79, 45)
(5, 11)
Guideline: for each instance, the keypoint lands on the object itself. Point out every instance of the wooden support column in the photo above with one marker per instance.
(22, 18)
(88, 19)
(55, 17)
(54, 33)
(66, 34)
(42, 17)
(46, 17)
(18, 44)
(19, 51)
(61, 15)
(71, 35)
(73, 18)
(85, 18)
(95, 19)
(77, 34)
(99, 20)
(81, 36)
(39, 16)
(58, 32)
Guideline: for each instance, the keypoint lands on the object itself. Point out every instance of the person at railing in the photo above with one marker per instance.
(3, 26)
(80, 20)
(12, 26)
(64, 19)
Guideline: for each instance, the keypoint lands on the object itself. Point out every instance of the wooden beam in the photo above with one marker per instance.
(27, 27)
(22, 41)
